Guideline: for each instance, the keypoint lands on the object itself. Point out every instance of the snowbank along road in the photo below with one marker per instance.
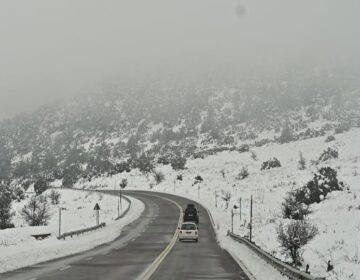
(146, 249)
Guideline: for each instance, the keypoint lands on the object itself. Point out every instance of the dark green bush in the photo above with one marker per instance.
(319, 187)
(271, 163)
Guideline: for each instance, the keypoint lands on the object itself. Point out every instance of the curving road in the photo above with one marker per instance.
(135, 253)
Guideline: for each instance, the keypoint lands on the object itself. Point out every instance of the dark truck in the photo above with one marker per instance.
(191, 214)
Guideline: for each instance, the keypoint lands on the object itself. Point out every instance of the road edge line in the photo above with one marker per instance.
(236, 259)
(146, 275)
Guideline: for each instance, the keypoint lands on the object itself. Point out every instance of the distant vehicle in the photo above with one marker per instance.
(188, 231)
(191, 214)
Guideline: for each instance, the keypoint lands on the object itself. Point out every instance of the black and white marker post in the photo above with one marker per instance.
(97, 209)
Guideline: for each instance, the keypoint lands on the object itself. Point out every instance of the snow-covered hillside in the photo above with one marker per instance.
(337, 217)
(19, 249)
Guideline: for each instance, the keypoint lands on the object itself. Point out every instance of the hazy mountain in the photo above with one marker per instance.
(109, 132)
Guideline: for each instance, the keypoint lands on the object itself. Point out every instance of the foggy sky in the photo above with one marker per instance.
(55, 49)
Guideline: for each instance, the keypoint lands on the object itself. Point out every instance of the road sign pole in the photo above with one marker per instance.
(97, 209)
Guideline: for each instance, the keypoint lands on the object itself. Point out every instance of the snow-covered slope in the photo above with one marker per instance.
(19, 249)
(337, 217)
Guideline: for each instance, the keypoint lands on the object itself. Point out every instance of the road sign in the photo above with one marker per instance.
(97, 208)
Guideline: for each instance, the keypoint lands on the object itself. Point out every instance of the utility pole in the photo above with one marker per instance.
(198, 190)
(174, 184)
(251, 216)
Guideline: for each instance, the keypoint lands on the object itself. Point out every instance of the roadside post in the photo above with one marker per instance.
(122, 186)
(178, 178)
(60, 208)
(118, 208)
(232, 217)
(97, 209)
(198, 181)
(251, 216)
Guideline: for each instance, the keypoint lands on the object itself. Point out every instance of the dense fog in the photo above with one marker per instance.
(57, 49)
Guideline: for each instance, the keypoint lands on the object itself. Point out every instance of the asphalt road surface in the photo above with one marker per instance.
(138, 248)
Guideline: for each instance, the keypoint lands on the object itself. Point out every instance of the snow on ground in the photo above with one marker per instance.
(337, 217)
(19, 249)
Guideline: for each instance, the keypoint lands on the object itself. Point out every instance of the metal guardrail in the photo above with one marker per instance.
(282, 267)
(80, 231)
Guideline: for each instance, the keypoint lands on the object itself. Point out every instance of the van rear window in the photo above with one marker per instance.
(188, 227)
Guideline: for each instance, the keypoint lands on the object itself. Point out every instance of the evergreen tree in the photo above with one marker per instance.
(5, 207)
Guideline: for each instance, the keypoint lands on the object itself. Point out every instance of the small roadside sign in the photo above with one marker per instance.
(97, 208)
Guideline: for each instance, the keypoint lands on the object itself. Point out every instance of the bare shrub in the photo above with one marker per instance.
(253, 155)
(301, 162)
(294, 236)
(329, 153)
(226, 196)
(37, 211)
(54, 197)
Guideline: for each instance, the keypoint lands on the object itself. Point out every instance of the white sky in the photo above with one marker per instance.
(53, 49)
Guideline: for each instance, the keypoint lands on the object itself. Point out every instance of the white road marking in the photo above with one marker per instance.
(88, 259)
(146, 275)
(65, 268)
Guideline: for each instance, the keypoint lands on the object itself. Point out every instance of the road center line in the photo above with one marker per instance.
(146, 275)
(65, 268)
